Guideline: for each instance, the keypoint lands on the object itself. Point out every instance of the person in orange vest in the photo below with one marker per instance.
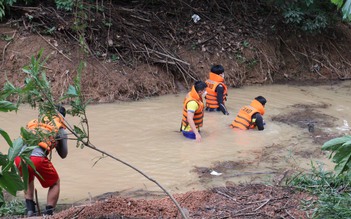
(48, 177)
(216, 90)
(250, 117)
(193, 111)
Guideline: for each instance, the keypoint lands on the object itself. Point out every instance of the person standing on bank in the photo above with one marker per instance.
(250, 117)
(216, 90)
(193, 111)
(48, 177)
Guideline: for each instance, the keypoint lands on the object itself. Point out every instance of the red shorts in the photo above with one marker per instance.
(44, 167)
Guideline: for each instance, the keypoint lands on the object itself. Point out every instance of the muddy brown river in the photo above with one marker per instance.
(146, 135)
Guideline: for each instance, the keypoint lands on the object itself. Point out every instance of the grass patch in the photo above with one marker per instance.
(12, 208)
(333, 192)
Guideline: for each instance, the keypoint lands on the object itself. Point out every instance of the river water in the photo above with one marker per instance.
(146, 135)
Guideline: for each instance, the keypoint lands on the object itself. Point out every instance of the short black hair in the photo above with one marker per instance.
(61, 109)
(200, 85)
(261, 99)
(217, 69)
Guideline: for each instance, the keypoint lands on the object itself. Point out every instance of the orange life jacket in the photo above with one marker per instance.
(48, 126)
(199, 113)
(244, 120)
(211, 96)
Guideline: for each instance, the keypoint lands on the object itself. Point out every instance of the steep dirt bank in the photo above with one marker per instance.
(153, 51)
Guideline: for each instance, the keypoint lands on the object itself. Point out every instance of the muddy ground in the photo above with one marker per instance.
(240, 201)
(150, 51)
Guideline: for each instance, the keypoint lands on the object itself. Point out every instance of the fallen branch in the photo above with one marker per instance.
(245, 174)
(335, 69)
(289, 214)
(4, 50)
(247, 214)
(181, 68)
(91, 53)
(140, 18)
(78, 212)
(168, 56)
(225, 195)
(343, 58)
(261, 206)
(287, 47)
(54, 47)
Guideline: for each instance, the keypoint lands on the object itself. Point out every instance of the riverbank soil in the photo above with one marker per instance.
(241, 201)
(137, 50)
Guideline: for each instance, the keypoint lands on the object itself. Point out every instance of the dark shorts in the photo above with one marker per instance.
(44, 167)
(190, 135)
(212, 109)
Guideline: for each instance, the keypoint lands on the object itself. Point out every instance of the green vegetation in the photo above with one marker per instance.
(332, 189)
(333, 199)
(11, 208)
(37, 93)
(345, 8)
(307, 15)
(340, 149)
(66, 5)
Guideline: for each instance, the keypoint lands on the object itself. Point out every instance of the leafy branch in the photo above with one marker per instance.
(340, 149)
(36, 92)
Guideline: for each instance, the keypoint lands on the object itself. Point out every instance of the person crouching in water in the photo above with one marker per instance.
(193, 111)
(48, 177)
(250, 117)
(216, 90)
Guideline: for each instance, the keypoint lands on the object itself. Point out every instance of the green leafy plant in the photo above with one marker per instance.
(80, 22)
(8, 3)
(332, 188)
(309, 15)
(240, 57)
(345, 8)
(3, 5)
(6, 37)
(332, 192)
(245, 44)
(252, 63)
(340, 149)
(114, 58)
(66, 5)
(50, 30)
(11, 208)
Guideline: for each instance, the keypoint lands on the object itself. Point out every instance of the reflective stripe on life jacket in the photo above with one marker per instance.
(211, 96)
(199, 113)
(47, 126)
(243, 120)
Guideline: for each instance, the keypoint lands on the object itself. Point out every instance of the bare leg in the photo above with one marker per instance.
(53, 194)
(29, 194)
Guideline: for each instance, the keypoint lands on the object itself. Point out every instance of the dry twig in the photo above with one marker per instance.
(4, 50)
(54, 47)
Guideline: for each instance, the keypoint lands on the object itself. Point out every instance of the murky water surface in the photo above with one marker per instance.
(145, 135)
